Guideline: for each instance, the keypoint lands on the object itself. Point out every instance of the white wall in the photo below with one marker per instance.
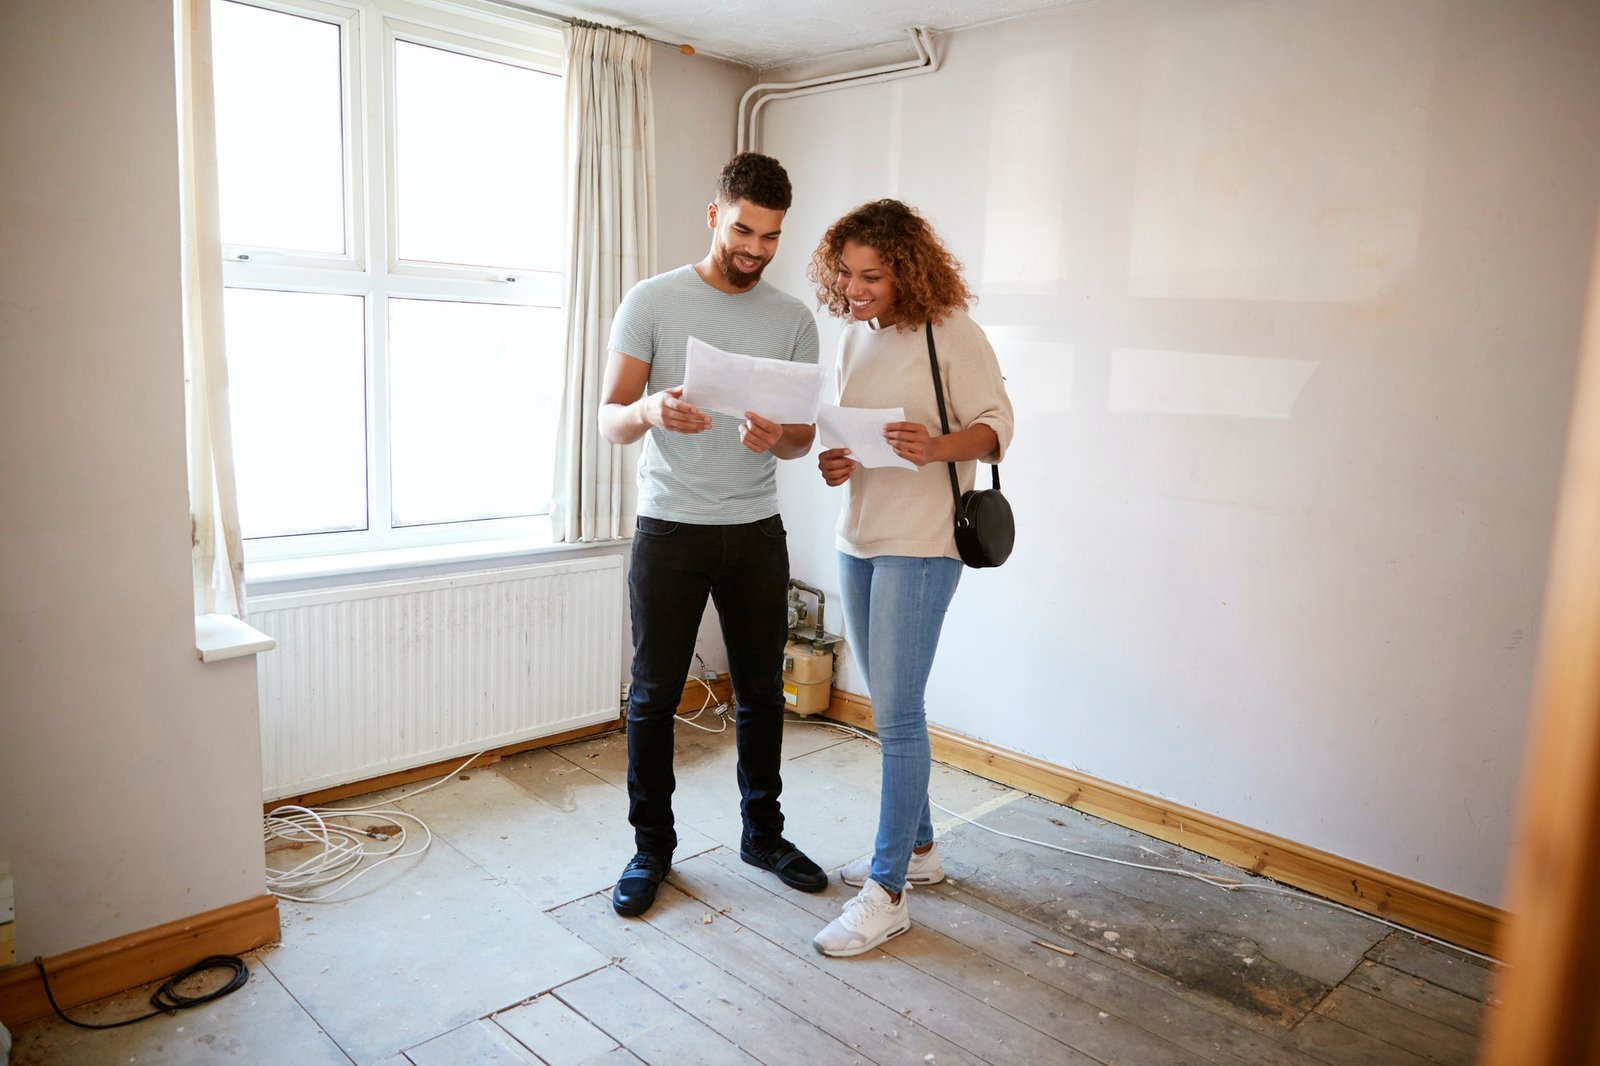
(1287, 295)
(697, 101)
(129, 773)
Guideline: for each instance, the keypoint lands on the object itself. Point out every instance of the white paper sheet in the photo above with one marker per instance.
(861, 430)
(775, 389)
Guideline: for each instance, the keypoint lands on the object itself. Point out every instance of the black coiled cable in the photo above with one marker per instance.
(166, 999)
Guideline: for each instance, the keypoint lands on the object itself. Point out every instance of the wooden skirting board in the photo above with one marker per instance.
(1412, 904)
(104, 969)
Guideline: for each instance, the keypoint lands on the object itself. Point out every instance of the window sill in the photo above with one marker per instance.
(222, 636)
(263, 575)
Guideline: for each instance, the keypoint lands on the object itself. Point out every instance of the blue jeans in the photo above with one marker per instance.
(894, 607)
(745, 570)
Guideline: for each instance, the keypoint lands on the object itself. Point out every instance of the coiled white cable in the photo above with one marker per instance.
(342, 849)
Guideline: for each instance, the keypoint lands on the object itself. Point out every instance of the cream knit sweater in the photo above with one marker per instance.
(890, 511)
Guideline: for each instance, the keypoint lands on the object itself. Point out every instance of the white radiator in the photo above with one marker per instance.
(375, 678)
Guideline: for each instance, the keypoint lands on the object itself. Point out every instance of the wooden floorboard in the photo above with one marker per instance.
(878, 1033)
(1271, 956)
(1394, 1024)
(1337, 1044)
(1439, 965)
(969, 1022)
(553, 1031)
(1417, 995)
(1085, 1001)
(476, 1042)
(620, 1057)
(650, 1025)
(722, 970)
(766, 1029)
(1108, 983)
(1082, 1025)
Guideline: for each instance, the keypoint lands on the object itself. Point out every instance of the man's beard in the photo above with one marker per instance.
(736, 277)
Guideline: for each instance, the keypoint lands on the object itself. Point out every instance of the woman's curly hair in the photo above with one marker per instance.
(927, 278)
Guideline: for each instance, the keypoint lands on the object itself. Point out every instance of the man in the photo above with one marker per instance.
(708, 520)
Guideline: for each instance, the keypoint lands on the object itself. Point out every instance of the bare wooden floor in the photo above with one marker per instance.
(501, 946)
(721, 971)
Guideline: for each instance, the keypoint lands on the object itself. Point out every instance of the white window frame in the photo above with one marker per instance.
(368, 33)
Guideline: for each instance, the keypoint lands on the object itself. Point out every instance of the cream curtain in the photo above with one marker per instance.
(213, 500)
(611, 215)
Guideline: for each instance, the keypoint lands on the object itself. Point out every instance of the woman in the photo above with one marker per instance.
(883, 267)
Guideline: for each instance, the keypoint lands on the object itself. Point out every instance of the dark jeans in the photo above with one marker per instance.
(745, 570)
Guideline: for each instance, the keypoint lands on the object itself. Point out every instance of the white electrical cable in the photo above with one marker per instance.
(342, 849)
(1223, 883)
(720, 710)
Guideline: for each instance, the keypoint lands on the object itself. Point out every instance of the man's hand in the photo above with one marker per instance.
(836, 466)
(627, 414)
(759, 434)
(668, 410)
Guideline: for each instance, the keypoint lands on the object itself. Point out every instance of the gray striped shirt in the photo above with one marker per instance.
(707, 478)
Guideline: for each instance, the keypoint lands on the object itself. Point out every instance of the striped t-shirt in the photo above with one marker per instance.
(707, 478)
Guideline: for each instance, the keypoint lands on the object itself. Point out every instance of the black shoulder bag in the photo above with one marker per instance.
(985, 529)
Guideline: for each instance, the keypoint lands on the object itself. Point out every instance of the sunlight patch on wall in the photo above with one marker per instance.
(1273, 167)
(1038, 373)
(1147, 381)
(1022, 251)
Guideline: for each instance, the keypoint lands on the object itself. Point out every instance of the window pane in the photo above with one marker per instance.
(280, 139)
(474, 390)
(478, 169)
(297, 393)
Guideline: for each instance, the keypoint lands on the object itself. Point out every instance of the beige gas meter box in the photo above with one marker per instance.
(807, 677)
(808, 656)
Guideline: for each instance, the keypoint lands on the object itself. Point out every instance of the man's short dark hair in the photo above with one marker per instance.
(757, 178)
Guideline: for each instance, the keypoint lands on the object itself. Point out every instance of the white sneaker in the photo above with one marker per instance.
(925, 869)
(869, 919)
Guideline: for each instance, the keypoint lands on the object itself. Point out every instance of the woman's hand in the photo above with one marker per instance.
(836, 466)
(910, 441)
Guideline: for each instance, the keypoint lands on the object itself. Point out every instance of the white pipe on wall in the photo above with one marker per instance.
(925, 63)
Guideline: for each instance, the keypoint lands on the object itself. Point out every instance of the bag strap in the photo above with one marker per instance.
(944, 424)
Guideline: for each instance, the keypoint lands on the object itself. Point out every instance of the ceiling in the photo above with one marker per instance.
(761, 33)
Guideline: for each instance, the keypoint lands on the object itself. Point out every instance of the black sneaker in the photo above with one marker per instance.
(787, 861)
(636, 888)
